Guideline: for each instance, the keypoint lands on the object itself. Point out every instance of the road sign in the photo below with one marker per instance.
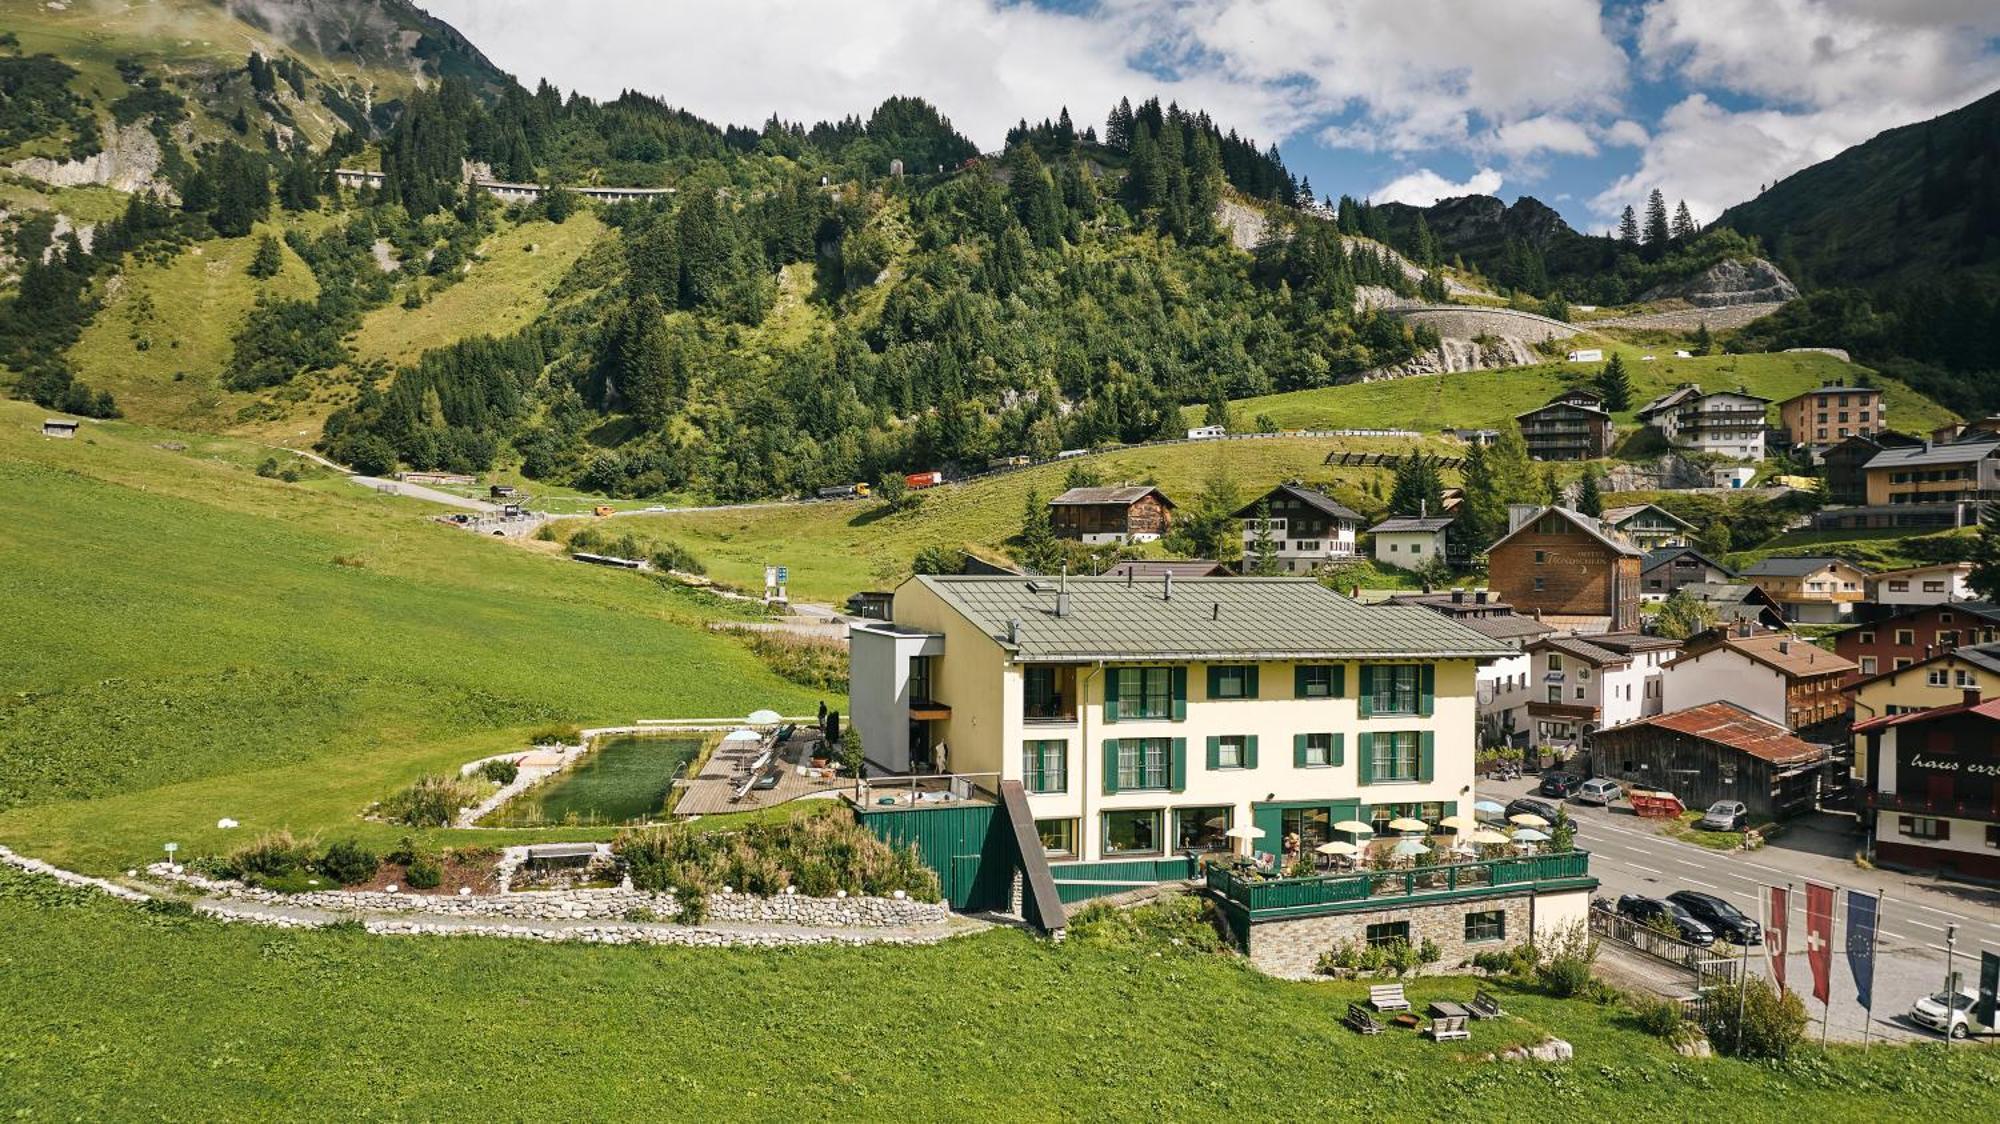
(784, 574)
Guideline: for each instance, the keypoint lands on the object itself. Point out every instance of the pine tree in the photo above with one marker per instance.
(1417, 489)
(1657, 231)
(1684, 227)
(1628, 228)
(1590, 496)
(1985, 578)
(268, 259)
(1039, 549)
(1218, 406)
(1703, 342)
(1615, 385)
(1553, 491)
(1263, 544)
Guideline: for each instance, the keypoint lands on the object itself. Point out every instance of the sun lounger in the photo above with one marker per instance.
(1485, 1006)
(1450, 1028)
(1387, 997)
(1360, 1021)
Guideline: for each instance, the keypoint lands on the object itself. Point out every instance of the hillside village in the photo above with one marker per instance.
(457, 528)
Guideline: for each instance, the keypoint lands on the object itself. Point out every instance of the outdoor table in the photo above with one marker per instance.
(1446, 1009)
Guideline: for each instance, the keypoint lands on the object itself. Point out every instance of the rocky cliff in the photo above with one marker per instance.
(1727, 282)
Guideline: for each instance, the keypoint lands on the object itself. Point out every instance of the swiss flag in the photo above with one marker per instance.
(1776, 930)
(1819, 939)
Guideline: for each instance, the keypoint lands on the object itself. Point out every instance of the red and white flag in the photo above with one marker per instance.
(1776, 931)
(1819, 939)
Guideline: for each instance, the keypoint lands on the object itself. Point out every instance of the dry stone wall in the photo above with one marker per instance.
(1291, 948)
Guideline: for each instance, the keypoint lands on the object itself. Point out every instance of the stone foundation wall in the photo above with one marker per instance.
(1291, 948)
(590, 905)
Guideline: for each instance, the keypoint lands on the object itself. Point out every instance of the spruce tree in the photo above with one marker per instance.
(1590, 495)
(1553, 491)
(1264, 545)
(1417, 489)
(1657, 230)
(1683, 222)
(1703, 342)
(1615, 385)
(1628, 228)
(1218, 406)
(1985, 578)
(268, 259)
(1039, 549)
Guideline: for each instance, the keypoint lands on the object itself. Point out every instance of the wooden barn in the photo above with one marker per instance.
(1715, 751)
(1128, 513)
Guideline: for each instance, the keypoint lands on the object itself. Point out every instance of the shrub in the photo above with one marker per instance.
(1565, 971)
(674, 556)
(272, 855)
(640, 915)
(807, 661)
(766, 858)
(1519, 962)
(1771, 1024)
(693, 908)
(425, 872)
(348, 862)
(1180, 923)
(500, 771)
(556, 735)
(1660, 1018)
(433, 801)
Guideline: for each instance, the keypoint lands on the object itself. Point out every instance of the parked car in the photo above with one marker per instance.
(1559, 784)
(1724, 815)
(1728, 922)
(1601, 791)
(1533, 806)
(1946, 1014)
(1643, 909)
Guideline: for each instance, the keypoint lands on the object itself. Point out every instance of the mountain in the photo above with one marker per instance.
(1912, 204)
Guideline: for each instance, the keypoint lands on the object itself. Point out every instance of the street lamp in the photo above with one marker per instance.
(1950, 982)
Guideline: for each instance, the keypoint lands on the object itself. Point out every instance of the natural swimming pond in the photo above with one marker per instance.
(623, 779)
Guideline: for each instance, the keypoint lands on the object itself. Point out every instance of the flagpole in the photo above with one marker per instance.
(1826, 1008)
(1874, 944)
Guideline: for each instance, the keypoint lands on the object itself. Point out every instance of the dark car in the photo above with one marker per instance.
(1559, 784)
(1533, 806)
(1728, 922)
(1643, 909)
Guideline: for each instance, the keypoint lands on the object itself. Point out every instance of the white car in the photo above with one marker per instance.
(1937, 1012)
(1599, 790)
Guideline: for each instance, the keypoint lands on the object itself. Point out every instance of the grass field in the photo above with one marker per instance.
(113, 1012)
(502, 293)
(834, 549)
(189, 641)
(1487, 398)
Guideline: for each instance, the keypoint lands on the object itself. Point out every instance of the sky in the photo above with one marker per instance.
(1585, 104)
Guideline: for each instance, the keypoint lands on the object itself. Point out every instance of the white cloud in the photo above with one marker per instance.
(1423, 187)
(1625, 134)
(1547, 133)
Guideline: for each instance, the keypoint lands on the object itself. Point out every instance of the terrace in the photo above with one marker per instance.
(1252, 897)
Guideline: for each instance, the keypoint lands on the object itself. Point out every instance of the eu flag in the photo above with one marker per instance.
(1861, 915)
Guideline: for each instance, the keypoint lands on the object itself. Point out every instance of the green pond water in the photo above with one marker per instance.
(622, 780)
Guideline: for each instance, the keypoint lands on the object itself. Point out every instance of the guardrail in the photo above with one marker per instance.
(1282, 896)
(1707, 968)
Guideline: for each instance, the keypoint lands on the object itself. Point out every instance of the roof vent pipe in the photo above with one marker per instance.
(1014, 632)
(1062, 593)
(1167, 586)
(1215, 610)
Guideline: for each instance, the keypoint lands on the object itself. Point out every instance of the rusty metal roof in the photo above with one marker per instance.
(1726, 724)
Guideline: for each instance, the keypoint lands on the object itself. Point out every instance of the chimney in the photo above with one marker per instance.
(1014, 633)
(1062, 593)
(1458, 595)
(1743, 628)
(1972, 696)
(1481, 595)
(1423, 509)
(1167, 586)
(1130, 569)
(1784, 647)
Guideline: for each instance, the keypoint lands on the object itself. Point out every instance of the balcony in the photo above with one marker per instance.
(1270, 899)
(1048, 695)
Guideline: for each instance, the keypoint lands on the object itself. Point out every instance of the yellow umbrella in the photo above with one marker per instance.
(1459, 823)
(1527, 819)
(1486, 836)
(1354, 827)
(1405, 823)
(1337, 848)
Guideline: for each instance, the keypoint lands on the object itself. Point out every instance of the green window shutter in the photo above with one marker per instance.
(1298, 751)
(1110, 766)
(1339, 755)
(1177, 766)
(1426, 756)
(1367, 690)
(1250, 752)
(1250, 682)
(1215, 753)
(1340, 681)
(1180, 694)
(1428, 685)
(1214, 681)
(1111, 694)
(1298, 681)
(1365, 746)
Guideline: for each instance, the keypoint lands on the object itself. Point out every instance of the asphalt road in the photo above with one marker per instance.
(1629, 855)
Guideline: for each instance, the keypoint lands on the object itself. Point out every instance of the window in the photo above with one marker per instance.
(1579, 693)
(1541, 556)
(1899, 587)
(1318, 750)
(1202, 829)
(1058, 836)
(1933, 587)
(1902, 662)
(1307, 546)
(1555, 693)
(1316, 682)
(1388, 932)
(1416, 548)
(1868, 665)
(1905, 637)
(1947, 638)
(1555, 662)
(1231, 752)
(1396, 689)
(1962, 679)
(1131, 833)
(1045, 766)
(1866, 636)
(1229, 682)
(1993, 835)
(1938, 677)
(1396, 756)
(1142, 762)
(1924, 827)
(1541, 585)
(1486, 925)
(1145, 692)
(920, 679)
(1313, 826)
(1042, 690)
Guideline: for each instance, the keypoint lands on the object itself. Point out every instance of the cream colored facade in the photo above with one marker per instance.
(1937, 682)
(986, 733)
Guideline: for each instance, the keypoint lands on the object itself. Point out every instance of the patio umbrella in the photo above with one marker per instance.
(1405, 823)
(764, 718)
(1486, 836)
(1459, 823)
(1530, 835)
(1337, 848)
(1488, 806)
(1354, 827)
(1527, 819)
(738, 737)
(1410, 847)
(1245, 831)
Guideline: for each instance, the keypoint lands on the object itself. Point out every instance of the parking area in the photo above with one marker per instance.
(1631, 856)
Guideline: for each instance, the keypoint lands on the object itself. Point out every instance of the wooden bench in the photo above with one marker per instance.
(1387, 997)
(1449, 1028)
(1360, 1021)
(1484, 1005)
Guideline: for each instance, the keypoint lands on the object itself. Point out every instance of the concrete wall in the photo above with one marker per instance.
(1465, 322)
(1727, 676)
(878, 702)
(1409, 550)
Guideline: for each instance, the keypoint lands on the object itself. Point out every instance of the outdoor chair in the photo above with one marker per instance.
(1360, 1021)
(1484, 1005)
(1387, 997)
(1448, 1028)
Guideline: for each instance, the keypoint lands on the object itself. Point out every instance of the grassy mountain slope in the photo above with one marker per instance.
(1911, 204)
(192, 641)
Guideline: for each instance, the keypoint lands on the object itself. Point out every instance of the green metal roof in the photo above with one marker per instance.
(1205, 619)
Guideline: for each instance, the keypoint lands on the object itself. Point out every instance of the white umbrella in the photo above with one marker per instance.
(1459, 823)
(1337, 848)
(1405, 823)
(738, 737)
(1527, 819)
(1488, 806)
(1354, 827)
(1245, 831)
(1530, 835)
(1410, 847)
(1486, 835)
(764, 718)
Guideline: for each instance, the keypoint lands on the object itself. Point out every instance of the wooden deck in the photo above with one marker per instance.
(712, 791)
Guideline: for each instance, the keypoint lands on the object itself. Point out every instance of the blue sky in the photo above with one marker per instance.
(1585, 104)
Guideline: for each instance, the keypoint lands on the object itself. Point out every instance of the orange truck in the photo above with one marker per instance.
(602, 509)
